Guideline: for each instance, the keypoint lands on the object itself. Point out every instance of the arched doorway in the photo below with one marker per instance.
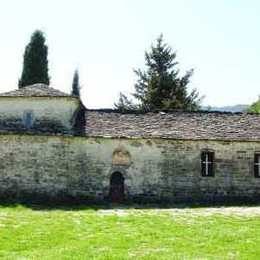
(116, 192)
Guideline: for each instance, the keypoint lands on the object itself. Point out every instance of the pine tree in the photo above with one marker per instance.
(35, 63)
(160, 87)
(75, 85)
(124, 104)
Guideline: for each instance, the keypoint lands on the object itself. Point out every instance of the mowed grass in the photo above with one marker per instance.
(128, 233)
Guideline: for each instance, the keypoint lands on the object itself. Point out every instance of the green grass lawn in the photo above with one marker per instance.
(128, 233)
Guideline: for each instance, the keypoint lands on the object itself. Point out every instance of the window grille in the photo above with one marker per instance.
(207, 164)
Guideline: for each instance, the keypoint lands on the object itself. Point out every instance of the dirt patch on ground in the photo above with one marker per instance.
(229, 211)
(117, 212)
(238, 211)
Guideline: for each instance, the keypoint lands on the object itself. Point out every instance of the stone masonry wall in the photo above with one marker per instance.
(154, 170)
(49, 114)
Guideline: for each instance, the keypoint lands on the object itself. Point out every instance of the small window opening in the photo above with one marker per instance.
(257, 165)
(28, 119)
(207, 164)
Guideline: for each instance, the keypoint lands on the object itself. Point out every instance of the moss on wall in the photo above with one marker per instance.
(59, 167)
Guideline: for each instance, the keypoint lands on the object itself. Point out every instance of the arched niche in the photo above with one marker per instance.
(121, 157)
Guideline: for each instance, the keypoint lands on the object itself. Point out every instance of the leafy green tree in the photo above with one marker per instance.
(159, 86)
(75, 85)
(255, 107)
(35, 63)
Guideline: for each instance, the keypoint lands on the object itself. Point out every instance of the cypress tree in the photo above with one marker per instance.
(35, 63)
(75, 85)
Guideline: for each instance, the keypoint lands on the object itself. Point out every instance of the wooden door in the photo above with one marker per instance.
(116, 187)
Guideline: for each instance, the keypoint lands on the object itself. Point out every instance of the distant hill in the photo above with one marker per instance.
(236, 108)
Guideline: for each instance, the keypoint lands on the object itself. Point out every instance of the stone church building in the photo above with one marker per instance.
(52, 148)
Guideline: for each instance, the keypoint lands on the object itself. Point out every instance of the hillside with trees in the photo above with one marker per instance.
(255, 107)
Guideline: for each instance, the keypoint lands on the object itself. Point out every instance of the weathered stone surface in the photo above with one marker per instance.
(158, 170)
(66, 151)
(121, 156)
(51, 115)
(174, 125)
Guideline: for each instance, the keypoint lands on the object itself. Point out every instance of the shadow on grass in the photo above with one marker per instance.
(75, 206)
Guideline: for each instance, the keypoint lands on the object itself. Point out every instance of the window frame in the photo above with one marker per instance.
(207, 165)
(257, 164)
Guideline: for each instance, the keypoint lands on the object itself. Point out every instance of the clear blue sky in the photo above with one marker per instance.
(105, 40)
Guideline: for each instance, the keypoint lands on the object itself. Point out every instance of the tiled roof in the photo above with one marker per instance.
(174, 125)
(36, 90)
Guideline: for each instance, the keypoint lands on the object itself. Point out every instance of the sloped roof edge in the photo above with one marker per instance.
(35, 90)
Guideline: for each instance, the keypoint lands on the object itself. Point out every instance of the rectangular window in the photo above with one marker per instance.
(207, 164)
(257, 165)
(28, 119)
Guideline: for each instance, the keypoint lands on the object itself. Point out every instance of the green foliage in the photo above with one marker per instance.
(255, 107)
(125, 233)
(160, 87)
(124, 104)
(75, 91)
(35, 63)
